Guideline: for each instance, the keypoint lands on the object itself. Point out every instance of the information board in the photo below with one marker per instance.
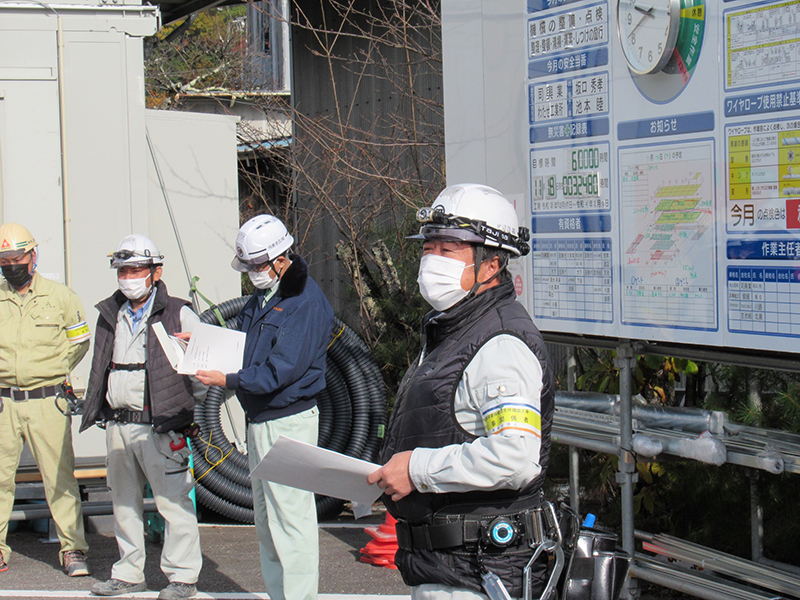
(653, 146)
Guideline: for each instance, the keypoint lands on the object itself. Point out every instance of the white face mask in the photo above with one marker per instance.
(439, 280)
(262, 279)
(134, 289)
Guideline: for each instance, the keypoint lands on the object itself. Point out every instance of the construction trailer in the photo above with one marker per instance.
(83, 163)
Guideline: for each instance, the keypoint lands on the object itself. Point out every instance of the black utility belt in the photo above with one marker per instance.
(130, 416)
(527, 527)
(128, 366)
(18, 395)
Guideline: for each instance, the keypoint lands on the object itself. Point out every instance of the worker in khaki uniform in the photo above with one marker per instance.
(43, 336)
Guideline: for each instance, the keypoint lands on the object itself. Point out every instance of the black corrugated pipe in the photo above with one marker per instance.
(352, 417)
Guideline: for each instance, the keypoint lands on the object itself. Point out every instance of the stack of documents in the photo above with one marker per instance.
(210, 349)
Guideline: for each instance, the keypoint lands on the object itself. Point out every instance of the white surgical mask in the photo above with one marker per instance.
(134, 289)
(262, 279)
(439, 280)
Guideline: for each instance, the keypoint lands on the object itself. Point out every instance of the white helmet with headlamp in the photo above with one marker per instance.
(136, 250)
(476, 214)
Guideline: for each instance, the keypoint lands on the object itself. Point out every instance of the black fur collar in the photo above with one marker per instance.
(294, 280)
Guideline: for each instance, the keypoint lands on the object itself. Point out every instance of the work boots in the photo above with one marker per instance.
(117, 587)
(75, 564)
(177, 590)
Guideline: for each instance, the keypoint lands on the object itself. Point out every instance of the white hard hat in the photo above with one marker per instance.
(15, 240)
(263, 238)
(477, 214)
(135, 250)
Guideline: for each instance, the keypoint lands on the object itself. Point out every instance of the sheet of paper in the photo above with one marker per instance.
(318, 470)
(213, 348)
(170, 345)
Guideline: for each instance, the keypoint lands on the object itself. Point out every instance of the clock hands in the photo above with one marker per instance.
(645, 14)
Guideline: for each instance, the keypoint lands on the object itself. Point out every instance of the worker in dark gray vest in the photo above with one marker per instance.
(145, 407)
(467, 444)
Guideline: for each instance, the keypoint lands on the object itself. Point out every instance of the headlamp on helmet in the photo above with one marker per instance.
(135, 251)
(437, 224)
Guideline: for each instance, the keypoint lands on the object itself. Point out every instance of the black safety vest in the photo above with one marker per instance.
(423, 416)
(170, 394)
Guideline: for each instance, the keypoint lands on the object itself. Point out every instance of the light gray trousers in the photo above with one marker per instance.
(137, 455)
(431, 591)
(286, 518)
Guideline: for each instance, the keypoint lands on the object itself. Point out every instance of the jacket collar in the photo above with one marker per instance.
(39, 285)
(293, 282)
(437, 325)
(110, 306)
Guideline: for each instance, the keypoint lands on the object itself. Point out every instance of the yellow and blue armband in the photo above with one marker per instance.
(511, 415)
(78, 333)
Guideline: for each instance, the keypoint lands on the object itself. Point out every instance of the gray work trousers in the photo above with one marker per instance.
(137, 455)
(434, 591)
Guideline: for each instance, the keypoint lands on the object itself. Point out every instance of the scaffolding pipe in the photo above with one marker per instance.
(775, 564)
(626, 475)
(90, 509)
(669, 580)
(686, 419)
(579, 442)
(574, 462)
(756, 517)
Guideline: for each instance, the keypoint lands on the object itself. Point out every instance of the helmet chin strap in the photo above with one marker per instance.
(479, 252)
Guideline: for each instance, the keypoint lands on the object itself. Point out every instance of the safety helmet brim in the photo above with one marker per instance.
(136, 250)
(118, 264)
(244, 267)
(447, 234)
(12, 254)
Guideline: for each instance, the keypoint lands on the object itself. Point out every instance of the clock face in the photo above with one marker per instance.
(648, 30)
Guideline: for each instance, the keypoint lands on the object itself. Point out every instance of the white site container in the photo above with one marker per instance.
(77, 169)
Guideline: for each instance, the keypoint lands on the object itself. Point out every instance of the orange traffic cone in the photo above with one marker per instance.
(381, 549)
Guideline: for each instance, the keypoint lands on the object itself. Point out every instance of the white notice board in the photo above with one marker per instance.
(661, 183)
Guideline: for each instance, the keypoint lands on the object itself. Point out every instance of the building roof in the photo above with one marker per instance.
(173, 10)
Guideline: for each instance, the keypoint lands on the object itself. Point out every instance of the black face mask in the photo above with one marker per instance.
(16, 275)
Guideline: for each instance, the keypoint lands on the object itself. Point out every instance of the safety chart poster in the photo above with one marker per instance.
(663, 156)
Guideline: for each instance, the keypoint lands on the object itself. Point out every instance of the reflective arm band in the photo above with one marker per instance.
(78, 333)
(500, 417)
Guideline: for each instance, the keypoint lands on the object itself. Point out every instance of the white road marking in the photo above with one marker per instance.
(199, 596)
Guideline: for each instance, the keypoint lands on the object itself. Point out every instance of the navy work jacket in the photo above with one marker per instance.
(285, 349)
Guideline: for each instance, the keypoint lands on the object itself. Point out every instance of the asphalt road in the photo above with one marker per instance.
(231, 567)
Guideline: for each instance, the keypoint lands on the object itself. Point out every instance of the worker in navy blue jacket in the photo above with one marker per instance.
(288, 322)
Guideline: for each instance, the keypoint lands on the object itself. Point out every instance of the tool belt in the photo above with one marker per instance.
(528, 527)
(597, 569)
(18, 395)
(130, 416)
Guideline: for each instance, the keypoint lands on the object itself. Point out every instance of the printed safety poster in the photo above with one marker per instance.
(660, 145)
